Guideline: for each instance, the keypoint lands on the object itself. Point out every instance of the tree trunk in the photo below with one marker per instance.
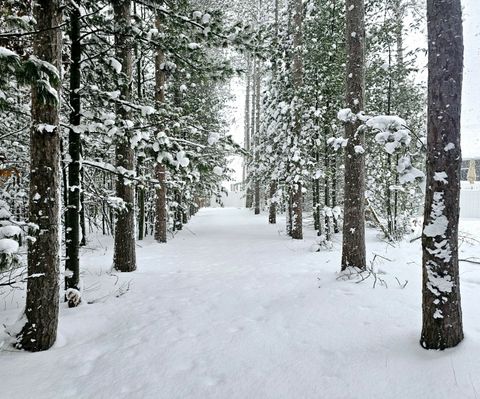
(161, 205)
(160, 169)
(257, 198)
(297, 72)
(124, 246)
(177, 216)
(257, 137)
(353, 251)
(442, 313)
(72, 216)
(83, 240)
(326, 192)
(141, 204)
(247, 124)
(289, 215)
(140, 187)
(41, 311)
(297, 205)
(272, 209)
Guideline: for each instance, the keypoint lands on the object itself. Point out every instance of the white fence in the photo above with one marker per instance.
(470, 200)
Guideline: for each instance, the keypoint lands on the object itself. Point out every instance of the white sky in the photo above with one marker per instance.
(471, 80)
(471, 83)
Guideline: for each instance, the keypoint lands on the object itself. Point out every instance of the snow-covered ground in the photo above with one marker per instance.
(232, 309)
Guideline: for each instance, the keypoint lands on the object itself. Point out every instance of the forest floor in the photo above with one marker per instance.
(233, 309)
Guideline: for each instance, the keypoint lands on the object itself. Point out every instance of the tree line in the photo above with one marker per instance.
(113, 117)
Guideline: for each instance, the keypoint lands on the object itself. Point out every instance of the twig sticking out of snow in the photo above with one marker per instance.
(471, 260)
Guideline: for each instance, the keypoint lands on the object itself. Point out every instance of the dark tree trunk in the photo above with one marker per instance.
(257, 198)
(141, 205)
(160, 169)
(442, 313)
(272, 209)
(297, 205)
(250, 201)
(124, 246)
(336, 228)
(316, 205)
(289, 216)
(297, 74)
(353, 251)
(140, 187)
(83, 240)
(326, 192)
(72, 216)
(178, 222)
(161, 205)
(247, 126)
(40, 330)
(257, 137)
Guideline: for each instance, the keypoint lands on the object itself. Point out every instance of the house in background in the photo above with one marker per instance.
(470, 151)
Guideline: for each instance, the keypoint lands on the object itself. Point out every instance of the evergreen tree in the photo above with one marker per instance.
(353, 251)
(41, 311)
(442, 312)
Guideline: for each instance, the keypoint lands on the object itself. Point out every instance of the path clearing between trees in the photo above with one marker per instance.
(231, 308)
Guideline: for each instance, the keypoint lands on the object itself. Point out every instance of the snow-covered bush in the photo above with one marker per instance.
(9, 237)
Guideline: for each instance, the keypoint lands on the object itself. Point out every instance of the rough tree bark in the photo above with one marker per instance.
(160, 170)
(124, 257)
(272, 209)
(257, 136)
(247, 146)
(41, 311)
(353, 251)
(140, 160)
(297, 75)
(442, 313)
(72, 216)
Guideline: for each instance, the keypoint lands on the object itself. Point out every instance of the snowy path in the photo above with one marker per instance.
(231, 308)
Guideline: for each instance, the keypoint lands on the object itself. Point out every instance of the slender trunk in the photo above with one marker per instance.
(83, 240)
(297, 74)
(141, 204)
(289, 216)
(42, 302)
(72, 216)
(247, 122)
(316, 205)
(64, 171)
(124, 257)
(390, 221)
(140, 188)
(250, 193)
(178, 211)
(160, 169)
(399, 15)
(388, 205)
(161, 205)
(442, 312)
(272, 209)
(257, 137)
(326, 192)
(336, 227)
(257, 198)
(353, 251)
